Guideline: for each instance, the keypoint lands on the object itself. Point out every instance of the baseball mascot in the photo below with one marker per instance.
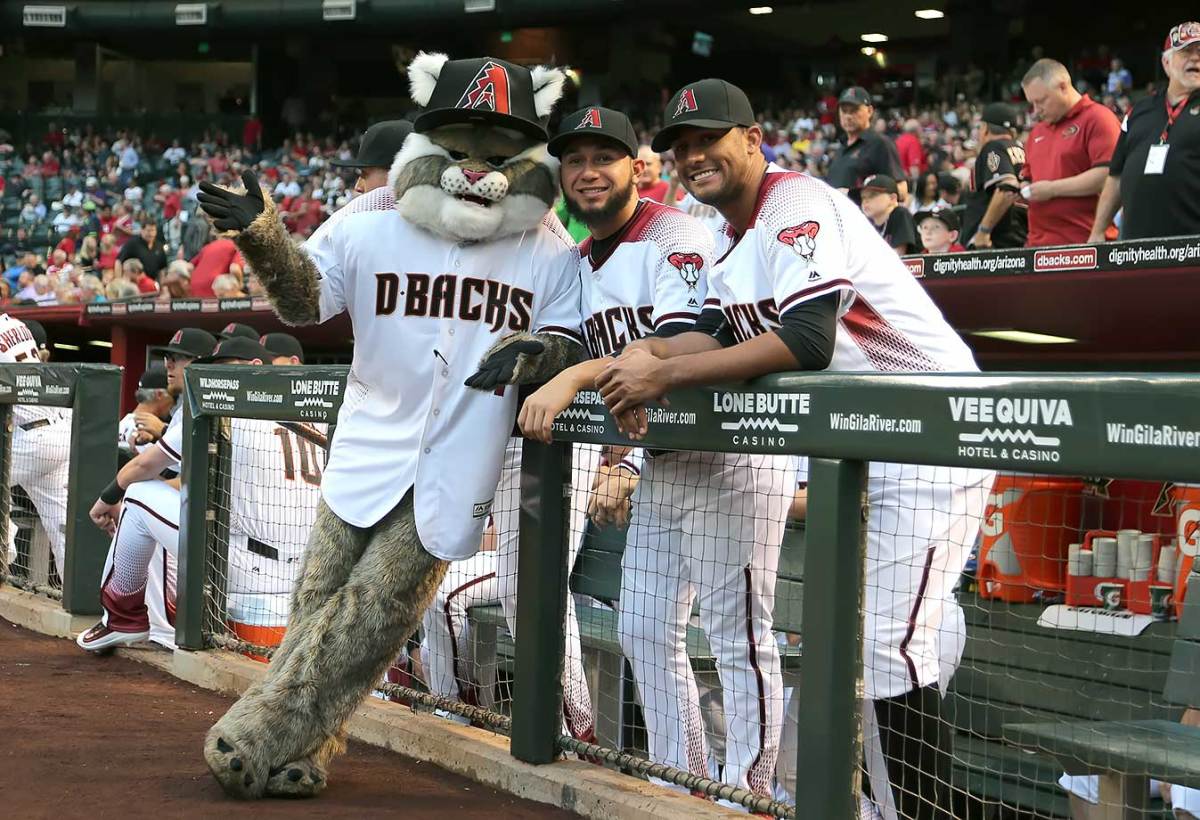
(459, 282)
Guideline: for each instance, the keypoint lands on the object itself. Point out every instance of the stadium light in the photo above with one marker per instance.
(874, 37)
(191, 14)
(100, 343)
(930, 14)
(868, 51)
(761, 9)
(44, 16)
(472, 6)
(1024, 337)
(338, 10)
(61, 346)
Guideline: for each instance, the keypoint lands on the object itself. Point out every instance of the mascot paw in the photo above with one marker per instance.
(301, 778)
(504, 363)
(236, 765)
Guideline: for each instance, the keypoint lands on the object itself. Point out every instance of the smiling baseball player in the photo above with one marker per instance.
(705, 526)
(807, 284)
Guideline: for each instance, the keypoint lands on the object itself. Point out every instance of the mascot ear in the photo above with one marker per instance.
(547, 88)
(423, 74)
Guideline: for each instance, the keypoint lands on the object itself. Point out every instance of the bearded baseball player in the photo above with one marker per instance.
(705, 526)
(805, 283)
(41, 440)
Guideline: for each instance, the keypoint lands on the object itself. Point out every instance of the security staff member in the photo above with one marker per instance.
(864, 153)
(996, 217)
(1154, 176)
(378, 147)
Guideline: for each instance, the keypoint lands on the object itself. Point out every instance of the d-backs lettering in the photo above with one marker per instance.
(749, 319)
(608, 330)
(448, 296)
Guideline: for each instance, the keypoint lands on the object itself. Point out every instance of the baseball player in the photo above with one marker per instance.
(41, 439)
(145, 424)
(141, 513)
(705, 526)
(842, 301)
(376, 149)
(238, 329)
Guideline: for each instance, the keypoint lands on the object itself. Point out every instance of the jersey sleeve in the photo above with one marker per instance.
(805, 245)
(992, 166)
(559, 313)
(171, 442)
(1102, 140)
(322, 248)
(681, 279)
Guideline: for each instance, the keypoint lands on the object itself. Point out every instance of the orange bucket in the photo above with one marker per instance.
(1029, 523)
(268, 636)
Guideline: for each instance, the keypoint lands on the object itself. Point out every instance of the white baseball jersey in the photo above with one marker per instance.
(706, 215)
(171, 441)
(653, 276)
(18, 345)
(806, 240)
(425, 310)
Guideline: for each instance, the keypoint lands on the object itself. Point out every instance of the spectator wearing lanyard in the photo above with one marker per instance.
(864, 152)
(1154, 176)
(1066, 156)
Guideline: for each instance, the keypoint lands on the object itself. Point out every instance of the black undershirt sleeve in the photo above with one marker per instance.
(712, 323)
(673, 329)
(809, 329)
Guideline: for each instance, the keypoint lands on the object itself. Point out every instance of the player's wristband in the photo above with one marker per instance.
(112, 494)
(983, 229)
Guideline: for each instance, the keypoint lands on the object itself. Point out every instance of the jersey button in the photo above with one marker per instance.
(437, 412)
(451, 331)
(445, 372)
(426, 450)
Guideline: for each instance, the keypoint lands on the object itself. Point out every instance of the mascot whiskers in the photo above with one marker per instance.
(458, 282)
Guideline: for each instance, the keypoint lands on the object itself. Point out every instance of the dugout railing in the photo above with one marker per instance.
(1116, 426)
(92, 393)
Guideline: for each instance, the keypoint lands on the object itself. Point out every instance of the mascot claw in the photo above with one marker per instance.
(236, 766)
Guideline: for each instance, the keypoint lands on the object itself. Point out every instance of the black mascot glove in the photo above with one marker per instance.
(230, 211)
(500, 367)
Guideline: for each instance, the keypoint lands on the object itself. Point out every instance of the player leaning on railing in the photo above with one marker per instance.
(805, 283)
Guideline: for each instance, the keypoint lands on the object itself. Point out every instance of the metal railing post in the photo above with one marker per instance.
(193, 528)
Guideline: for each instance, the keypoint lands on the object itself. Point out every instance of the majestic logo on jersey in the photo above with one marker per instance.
(688, 265)
(590, 120)
(488, 90)
(687, 103)
(802, 239)
(447, 296)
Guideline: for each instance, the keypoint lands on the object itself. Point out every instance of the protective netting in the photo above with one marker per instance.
(38, 468)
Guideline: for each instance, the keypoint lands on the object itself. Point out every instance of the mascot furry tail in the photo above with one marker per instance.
(362, 590)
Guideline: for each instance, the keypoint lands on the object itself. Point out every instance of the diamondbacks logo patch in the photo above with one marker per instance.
(488, 91)
(687, 103)
(689, 266)
(801, 238)
(590, 120)
(177, 338)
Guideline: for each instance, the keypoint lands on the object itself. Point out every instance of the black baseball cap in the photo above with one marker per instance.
(707, 103)
(153, 377)
(594, 121)
(944, 215)
(856, 95)
(881, 182)
(282, 344)
(378, 146)
(236, 347)
(1001, 114)
(191, 342)
(38, 332)
(237, 329)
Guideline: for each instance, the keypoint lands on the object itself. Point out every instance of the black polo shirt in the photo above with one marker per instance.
(1166, 204)
(999, 158)
(869, 154)
(900, 229)
(153, 259)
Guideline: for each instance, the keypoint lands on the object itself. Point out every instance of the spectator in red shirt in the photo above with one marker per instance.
(108, 253)
(650, 183)
(912, 155)
(252, 134)
(50, 165)
(122, 224)
(169, 199)
(1066, 157)
(133, 271)
(216, 258)
(218, 165)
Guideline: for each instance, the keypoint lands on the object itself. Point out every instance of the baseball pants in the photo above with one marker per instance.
(149, 522)
(577, 701)
(707, 526)
(446, 647)
(41, 461)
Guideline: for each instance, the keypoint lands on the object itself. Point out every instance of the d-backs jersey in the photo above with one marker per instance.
(655, 275)
(171, 441)
(275, 483)
(18, 345)
(706, 215)
(425, 310)
(805, 241)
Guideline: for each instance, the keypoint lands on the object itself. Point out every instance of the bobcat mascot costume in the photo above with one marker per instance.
(455, 272)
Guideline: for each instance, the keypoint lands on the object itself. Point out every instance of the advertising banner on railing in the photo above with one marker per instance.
(47, 384)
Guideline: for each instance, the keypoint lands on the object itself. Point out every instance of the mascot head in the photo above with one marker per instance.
(475, 167)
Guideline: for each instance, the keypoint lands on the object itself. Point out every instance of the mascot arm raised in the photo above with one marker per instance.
(286, 272)
(525, 358)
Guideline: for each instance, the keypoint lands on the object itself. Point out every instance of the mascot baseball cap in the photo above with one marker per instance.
(237, 329)
(379, 145)
(191, 342)
(482, 90)
(1001, 114)
(594, 121)
(944, 215)
(705, 104)
(283, 344)
(1181, 36)
(236, 347)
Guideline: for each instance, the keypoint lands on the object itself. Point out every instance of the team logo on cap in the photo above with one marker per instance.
(687, 103)
(229, 328)
(177, 338)
(590, 120)
(801, 238)
(689, 266)
(488, 90)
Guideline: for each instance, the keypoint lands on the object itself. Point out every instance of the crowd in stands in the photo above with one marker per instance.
(88, 216)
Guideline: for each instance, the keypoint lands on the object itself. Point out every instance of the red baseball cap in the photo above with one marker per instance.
(1181, 36)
